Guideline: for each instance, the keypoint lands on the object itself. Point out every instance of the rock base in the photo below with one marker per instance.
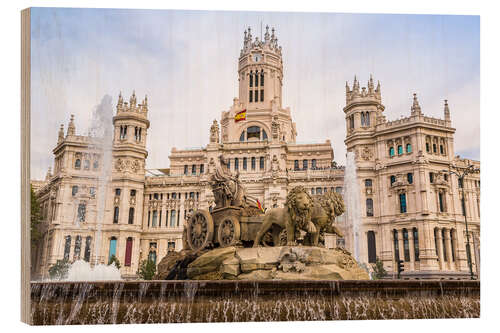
(276, 263)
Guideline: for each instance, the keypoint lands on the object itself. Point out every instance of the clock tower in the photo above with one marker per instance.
(260, 70)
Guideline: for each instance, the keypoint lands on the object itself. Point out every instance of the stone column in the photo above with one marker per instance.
(447, 241)
(393, 252)
(412, 250)
(440, 250)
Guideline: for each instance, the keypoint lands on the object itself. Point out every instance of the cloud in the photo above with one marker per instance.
(186, 62)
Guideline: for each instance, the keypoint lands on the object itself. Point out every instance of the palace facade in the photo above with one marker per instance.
(100, 202)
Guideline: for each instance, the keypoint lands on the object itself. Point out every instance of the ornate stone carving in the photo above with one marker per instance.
(366, 153)
(214, 132)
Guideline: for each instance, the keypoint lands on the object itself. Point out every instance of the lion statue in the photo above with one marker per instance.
(324, 210)
(296, 215)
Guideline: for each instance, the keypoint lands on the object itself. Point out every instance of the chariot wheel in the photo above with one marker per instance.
(200, 230)
(228, 232)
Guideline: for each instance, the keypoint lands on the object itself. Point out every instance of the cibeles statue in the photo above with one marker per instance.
(227, 188)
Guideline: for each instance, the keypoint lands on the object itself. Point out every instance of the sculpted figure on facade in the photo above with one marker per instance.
(214, 132)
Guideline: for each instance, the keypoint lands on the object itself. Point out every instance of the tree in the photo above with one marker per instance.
(114, 260)
(59, 271)
(147, 269)
(36, 217)
(378, 269)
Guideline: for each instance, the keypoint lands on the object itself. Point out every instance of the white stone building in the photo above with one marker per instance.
(145, 210)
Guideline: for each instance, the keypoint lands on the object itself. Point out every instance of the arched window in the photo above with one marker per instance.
(67, 247)
(406, 245)
(262, 95)
(131, 212)
(434, 148)
(436, 245)
(415, 244)
(396, 244)
(391, 151)
(202, 168)
(250, 96)
(256, 79)
(362, 119)
(400, 150)
(264, 134)
(372, 249)
(261, 163)
(112, 247)
(296, 165)
(408, 147)
(262, 78)
(152, 256)
(427, 147)
(253, 163)
(313, 164)
(369, 207)
(88, 242)
(351, 121)
(367, 119)
(78, 163)
(253, 132)
(441, 149)
(242, 136)
(193, 169)
(116, 214)
(128, 251)
(86, 164)
(251, 79)
(393, 179)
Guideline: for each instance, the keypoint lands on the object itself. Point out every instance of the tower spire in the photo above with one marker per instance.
(447, 115)
(415, 109)
(71, 126)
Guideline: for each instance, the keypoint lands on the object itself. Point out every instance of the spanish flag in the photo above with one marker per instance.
(260, 206)
(242, 115)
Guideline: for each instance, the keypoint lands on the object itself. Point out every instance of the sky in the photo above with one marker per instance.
(186, 63)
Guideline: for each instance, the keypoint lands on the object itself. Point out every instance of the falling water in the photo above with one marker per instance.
(81, 270)
(101, 134)
(353, 204)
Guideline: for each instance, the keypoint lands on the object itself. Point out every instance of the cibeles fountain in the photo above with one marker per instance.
(243, 263)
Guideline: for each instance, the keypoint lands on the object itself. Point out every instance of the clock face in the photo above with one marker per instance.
(257, 57)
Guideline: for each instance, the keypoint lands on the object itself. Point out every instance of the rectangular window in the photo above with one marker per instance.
(236, 164)
(351, 121)
(244, 163)
(431, 177)
(402, 203)
(185, 169)
(149, 218)
(393, 180)
(304, 164)
(409, 177)
(396, 244)
(159, 220)
(441, 202)
(256, 95)
(261, 163)
(250, 96)
(202, 168)
(251, 79)
(193, 169)
(391, 151)
(132, 193)
(406, 245)
(118, 192)
(173, 218)
(128, 252)
(434, 148)
(67, 247)
(155, 219)
(115, 215)
(427, 148)
(155, 196)
(369, 207)
(262, 95)
(441, 149)
(256, 80)
(262, 78)
(415, 244)
(253, 163)
(296, 165)
(74, 190)
(131, 212)
(368, 183)
(313, 164)
(400, 150)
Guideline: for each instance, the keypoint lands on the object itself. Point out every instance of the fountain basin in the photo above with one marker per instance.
(120, 302)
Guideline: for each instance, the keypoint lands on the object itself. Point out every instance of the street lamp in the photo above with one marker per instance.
(461, 173)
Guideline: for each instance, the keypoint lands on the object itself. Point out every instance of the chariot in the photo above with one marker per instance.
(225, 226)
